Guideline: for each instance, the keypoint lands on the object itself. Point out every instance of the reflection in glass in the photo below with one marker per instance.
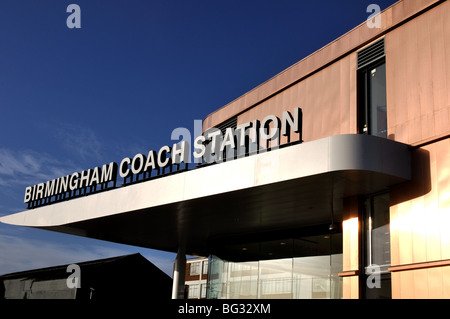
(377, 231)
(275, 279)
(372, 100)
(311, 274)
(378, 255)
(377, 104)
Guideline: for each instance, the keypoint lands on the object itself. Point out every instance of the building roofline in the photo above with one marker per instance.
(59, 267)
(358, 37)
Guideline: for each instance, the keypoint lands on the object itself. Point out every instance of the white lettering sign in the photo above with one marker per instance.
(211, 146)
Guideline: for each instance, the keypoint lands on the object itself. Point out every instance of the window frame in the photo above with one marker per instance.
(366, 251)
(364, 97)
(195, 271)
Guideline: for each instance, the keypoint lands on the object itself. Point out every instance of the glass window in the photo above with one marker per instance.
(377, 103)
(194, 291)
(243, 280)
(377, 231)
(377, 245)
(275, 278)
(203, 291)
(316, 277)
(194, 268)
(372, 111)
(205, 267)
(311, 272)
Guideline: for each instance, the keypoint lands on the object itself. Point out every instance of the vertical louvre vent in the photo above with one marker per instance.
(232, 122)
(371, 54)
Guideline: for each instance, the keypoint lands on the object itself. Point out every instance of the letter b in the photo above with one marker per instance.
(27, 197)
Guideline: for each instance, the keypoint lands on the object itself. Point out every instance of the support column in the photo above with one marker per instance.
(179, 272)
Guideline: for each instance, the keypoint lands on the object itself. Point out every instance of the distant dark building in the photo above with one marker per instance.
(122, 277)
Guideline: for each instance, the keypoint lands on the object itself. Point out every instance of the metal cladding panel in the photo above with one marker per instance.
(393, 19)
(351, 152)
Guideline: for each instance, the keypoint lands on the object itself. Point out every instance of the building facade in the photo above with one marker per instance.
(329, 180)
(196, 278)
(393, 83)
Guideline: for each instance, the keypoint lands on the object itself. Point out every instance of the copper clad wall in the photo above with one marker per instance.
(418, 99)
(417, 46)
(418, 77)
(328, 100)
(347, 44)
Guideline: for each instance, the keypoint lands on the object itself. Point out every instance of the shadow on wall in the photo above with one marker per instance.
(420, 183)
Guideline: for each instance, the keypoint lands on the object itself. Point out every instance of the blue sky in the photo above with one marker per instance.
(73, 99)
